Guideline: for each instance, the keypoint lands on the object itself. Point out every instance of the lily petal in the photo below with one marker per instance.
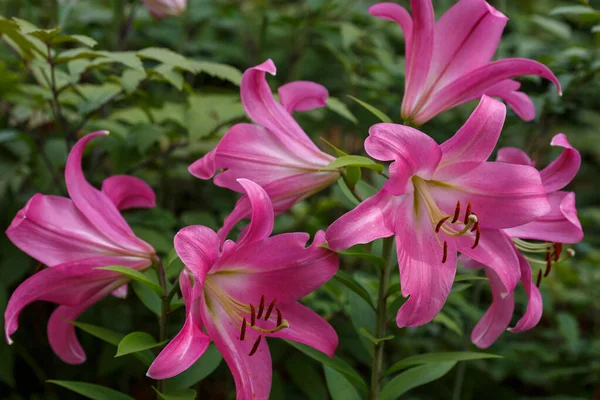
(503, 195)
(307, 327)
(497, 317)
(95, 205)
(61, 332)
(497, 252)
(397, 13)
(190, 343)
(466, 38)
(508, 90)
(413, 151)
(561, 171)
(474, 84)
(128, 192)
(302, 96)
(252, 374)
(370, 220)
(262, 108)
(253, 152)
(198, 247)
(52, 230)
(284, 193)
(280, 267)
(533, 314)
(513, 155)
(70, 284)
(423, 275)
(262, 220)
(476, 139)
(204, 168)
(560, 225)
(418, 62)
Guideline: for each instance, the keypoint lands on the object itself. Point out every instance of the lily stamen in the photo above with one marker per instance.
(439, 224)
(279, 317)
(243, 333)
(539, 278)
(548, 264)
(477, 235)
(252, 315)
(255, 346)
(261, 306)
(445, 256)
(456, 212)
(270, 309)
(468, 212)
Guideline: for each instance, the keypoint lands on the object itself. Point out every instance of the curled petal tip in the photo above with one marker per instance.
(560, 139)
(267, 66)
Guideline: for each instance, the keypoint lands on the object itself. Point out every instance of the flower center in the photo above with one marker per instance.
(265, 319)
(451, 225)
(552, 255)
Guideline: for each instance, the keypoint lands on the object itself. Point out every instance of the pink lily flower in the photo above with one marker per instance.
(440, 200)
(245, 292)
(74, 237)
(275, 152)
(448, 63)
(557, 227)
(163, 8)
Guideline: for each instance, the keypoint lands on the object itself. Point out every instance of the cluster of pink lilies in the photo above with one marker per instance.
(439, 200)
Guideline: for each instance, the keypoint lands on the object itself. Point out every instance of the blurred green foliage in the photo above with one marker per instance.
(168, 89)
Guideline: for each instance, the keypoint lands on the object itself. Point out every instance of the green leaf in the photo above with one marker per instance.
(431, 358)
(337, 151)
(555, 27)
(168, 57)
(357, 161)
(92, 391)
(136, 276)
(413, 378)
(127, 58)
(135, 342)
(107, 335)
(336, 105)
(207, 112)
(445, 320)
(96, 96)
(339, 386)
(379, 114)
(131, 79)
(221, 71)
(170, 75)
(150, 299)
(359, 252)
(202, 368)
(346, 279)
(181, 394)
(568, 327)
(336, 363)
(84, 40)
(363, 331)
(113, 338)
(575, 10)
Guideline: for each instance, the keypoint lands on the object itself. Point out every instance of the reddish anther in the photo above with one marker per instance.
(252, 315)
(456, 212)
(548, 264)
(558, 247)
(445, 256)
(279, 317)
(439, 224)
(255, 347)
(477, 236)
(467, 213)
(270, 309)
(261, 306)
(539, 278)
(243, 333)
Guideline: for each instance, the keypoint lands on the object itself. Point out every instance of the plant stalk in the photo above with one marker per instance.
(164, 310)
(384, 281)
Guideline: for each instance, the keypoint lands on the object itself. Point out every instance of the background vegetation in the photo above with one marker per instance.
(166, 110)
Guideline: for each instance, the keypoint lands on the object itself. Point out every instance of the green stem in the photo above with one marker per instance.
(384, 281)
(164, 309)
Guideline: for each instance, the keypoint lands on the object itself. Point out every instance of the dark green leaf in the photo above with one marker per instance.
(92, 391)
(181, 394)
(135, 342)
(335, 105)
(379, 114)
(413, 378)
(346, 279)
(431, 358)
(339, 386)
(136, 276)
(357, 161)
